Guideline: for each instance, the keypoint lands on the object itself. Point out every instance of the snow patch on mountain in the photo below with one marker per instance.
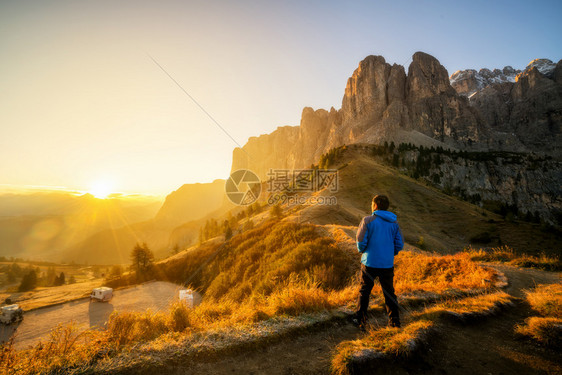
(545, 66)
(468, 82)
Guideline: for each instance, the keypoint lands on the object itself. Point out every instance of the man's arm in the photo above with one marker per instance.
(398, 240)
(362, 236)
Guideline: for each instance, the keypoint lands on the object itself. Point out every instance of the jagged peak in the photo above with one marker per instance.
(544, 66)
(423, 56)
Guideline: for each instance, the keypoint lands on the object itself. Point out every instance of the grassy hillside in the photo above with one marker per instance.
(446, 223)
(260, 278)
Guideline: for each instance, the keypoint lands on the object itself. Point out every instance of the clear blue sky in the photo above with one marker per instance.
(81, 101)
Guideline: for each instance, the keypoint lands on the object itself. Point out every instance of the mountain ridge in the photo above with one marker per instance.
(383, 103)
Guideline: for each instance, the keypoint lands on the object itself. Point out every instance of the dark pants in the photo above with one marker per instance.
(386, 279)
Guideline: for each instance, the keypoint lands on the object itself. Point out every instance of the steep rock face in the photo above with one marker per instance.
(557, 74)
(525, 115)
(366, 91)
(434, 106)
(380, 103)
(290, 147)
(508, 110)
(525, 181)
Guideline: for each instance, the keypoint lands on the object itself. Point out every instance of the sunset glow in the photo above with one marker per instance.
(101, 189)
(92, 100)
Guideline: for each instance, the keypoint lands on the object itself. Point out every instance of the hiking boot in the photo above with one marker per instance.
(359, 323)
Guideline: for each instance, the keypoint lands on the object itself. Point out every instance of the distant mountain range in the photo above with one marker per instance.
(41, 225)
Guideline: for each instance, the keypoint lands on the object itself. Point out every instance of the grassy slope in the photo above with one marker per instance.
(446, 223)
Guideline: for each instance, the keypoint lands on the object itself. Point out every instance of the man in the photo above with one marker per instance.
(379, 239)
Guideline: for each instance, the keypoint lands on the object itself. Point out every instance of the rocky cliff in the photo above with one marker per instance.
(522, 109)
(381, 102)
(508, 110)
(524, 184)
(499, 110)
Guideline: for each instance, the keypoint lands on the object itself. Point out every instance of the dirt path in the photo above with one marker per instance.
(487, 347)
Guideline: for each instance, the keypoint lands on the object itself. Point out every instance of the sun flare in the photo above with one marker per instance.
(100, 189)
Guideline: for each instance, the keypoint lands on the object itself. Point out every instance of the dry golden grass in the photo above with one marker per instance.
(65, 348)
(506, 254)
(278, 269)
(545, 330)
(434, 273)
(387, 341)
(47, 296)
(465, 307)
(546, 299)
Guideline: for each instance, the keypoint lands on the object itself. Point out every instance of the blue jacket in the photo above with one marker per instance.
(379, 239)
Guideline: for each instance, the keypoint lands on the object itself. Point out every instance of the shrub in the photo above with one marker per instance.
(130, 327)
(179, 317)
(545, 330)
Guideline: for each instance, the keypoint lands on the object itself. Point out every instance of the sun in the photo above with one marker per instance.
(100, 189)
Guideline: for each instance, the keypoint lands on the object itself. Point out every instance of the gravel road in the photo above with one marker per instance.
(37, 324)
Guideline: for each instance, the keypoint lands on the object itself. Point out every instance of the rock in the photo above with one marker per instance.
(468, 82)
(366, 90)
(508, 110)
(435, 109)
(544, 66)
(427, 78)
(557, 74)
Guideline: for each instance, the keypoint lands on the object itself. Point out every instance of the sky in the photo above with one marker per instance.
(83, 101)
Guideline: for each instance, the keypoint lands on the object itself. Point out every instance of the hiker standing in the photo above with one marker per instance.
(379, 239)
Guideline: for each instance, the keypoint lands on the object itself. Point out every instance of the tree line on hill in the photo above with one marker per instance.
(31, 277)
(421, 163)
(228, 226)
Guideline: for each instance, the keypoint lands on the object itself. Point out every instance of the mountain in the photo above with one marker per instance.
(468, 82)
(383, 103)
(380, 103)
(525, 115)
(191, 202)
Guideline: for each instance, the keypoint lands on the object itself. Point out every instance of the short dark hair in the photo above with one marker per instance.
(382, 202)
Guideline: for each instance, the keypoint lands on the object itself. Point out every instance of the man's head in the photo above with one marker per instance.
(380, 202)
